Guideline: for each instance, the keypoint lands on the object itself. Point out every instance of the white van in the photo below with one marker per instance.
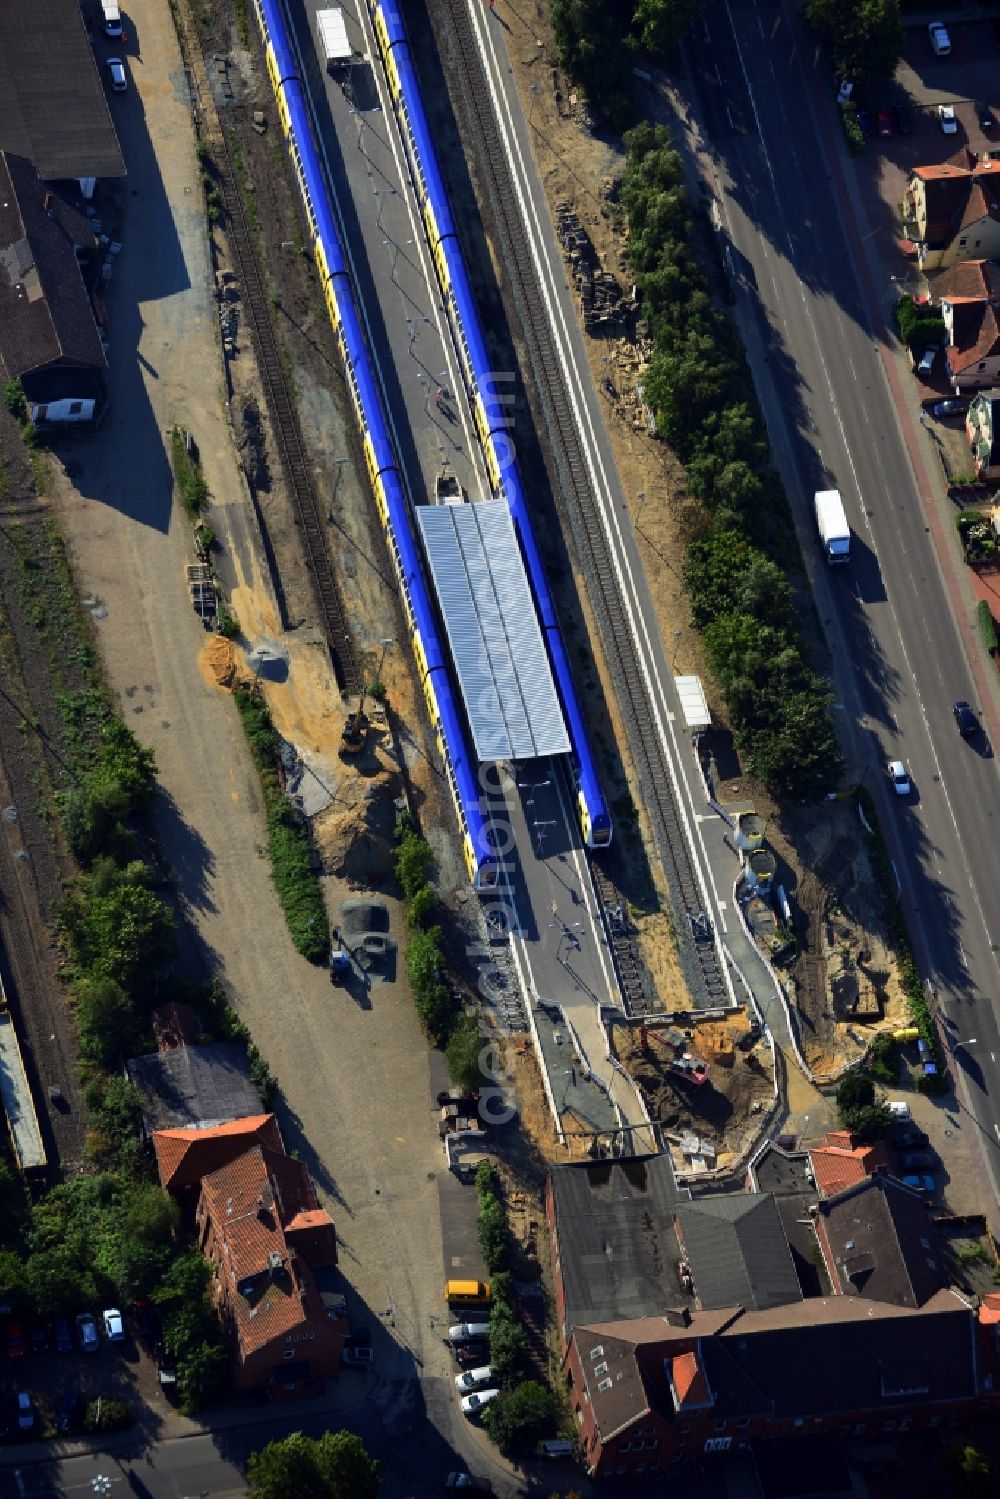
(898, 1109)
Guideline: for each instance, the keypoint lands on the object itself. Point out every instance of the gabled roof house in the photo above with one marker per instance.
(952, 210)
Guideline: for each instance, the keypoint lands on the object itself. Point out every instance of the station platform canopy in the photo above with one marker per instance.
(694, 704)
(496, 640)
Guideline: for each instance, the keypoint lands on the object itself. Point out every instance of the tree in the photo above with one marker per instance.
(518, 1419)
(508, 1347)
(422, 905)
(127, 764)
(862, 1113)
(436, 1009)
(108, 1024)
(972, 1473)
(413, 863)
(13, 1279)
(202, 1376)
(590, 37)
(336, 1466)
(116, 926)
(57, 1283)
(463, 1052)
(863, 38)
(492, 1230)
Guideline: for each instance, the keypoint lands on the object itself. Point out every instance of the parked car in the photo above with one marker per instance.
(947, 120)
(25, 1411)
(70, 1409)
(885, 123)
(86, 1331)
(904, 120)
(465, 1332)
(468, 1355)
(984, 115)
(166, 1368)
(114, 1328)
(968, 723)
(916, 1160)
(354, 1357)
(925, 364)
(939, 39)
(896, 772)
(910, 1139)
(473, 1378)
(952, 407)
(39, 1339)
(467, 1483)
(64, 1338)
(866, 120)
(119, 80)
(473, 1404)
(922, 1183)
(15, 1340)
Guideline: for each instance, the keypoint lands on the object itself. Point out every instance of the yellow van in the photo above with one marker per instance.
(467, 1293)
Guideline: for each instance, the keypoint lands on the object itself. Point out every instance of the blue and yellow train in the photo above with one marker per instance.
(472, 799)
(487, 402)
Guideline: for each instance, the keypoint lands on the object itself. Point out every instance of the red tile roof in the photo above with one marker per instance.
(184, 1156)
(838, 1163)
(269, 1290)
(689, 1381)
(969, 281)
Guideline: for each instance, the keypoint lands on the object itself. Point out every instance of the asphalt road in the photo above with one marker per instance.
(813, 315)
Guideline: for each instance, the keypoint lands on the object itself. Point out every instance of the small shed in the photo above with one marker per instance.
(694, 704)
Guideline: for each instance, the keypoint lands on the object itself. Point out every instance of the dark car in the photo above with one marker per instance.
(866, 120)
(64, 1338)
(471, 1355)
(952, 407)
(70, 1410)
(15, 1340)
(910, 1139)
(984, 115)
(467, 1483)
(904, 120)
(885, 122)
(39, 1339)
(968, 723)
(916, 1160)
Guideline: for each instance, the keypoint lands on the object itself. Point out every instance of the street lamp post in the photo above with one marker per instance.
(677, 641)
(959, 1044)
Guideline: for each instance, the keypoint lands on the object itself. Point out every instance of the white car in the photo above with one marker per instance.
(939, 38)
(114, 1330)
(946, 115)
(473, 1378)
(119, 80)
(473, 1404)
(897, 774)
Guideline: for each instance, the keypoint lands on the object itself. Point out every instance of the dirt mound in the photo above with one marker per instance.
(218, 664)
(722, 1109)
(354, 835)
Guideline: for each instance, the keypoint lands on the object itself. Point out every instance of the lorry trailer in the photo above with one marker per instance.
(332, 30)
(831, 522)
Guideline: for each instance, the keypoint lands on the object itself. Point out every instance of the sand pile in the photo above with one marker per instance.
(353, 836)
(217, 662)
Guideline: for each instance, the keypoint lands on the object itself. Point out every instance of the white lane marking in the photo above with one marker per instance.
(604, 495)
(808, 316)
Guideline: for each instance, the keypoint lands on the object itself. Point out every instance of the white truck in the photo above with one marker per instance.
(111, 17)
(331, 29)
(831, 522)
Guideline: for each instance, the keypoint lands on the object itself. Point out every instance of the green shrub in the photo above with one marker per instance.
(423, 905)
(987, 626)
(226, 623)
(190, 481)
(412, 863)
(518, 1419)
(106, 1414)
(853, 133)
(465, 1045)
(884, 1058)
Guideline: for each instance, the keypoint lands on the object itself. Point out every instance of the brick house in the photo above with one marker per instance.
(184, 1156)
(952, 210)
(273, 1251)
(873, 1343)
(839, 1162)
(969, 298)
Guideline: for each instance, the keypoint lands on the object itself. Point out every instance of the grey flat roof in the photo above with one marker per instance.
(53, 108)
(194, 1085)
(496, 640)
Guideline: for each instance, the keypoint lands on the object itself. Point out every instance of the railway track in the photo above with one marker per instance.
(284, 420)
(699, 952)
